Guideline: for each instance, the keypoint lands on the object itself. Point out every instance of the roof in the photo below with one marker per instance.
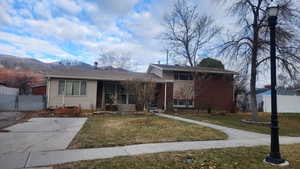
(113, 75)
(190, 69)
(280, 92)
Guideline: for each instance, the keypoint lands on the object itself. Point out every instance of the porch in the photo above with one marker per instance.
(133, 95)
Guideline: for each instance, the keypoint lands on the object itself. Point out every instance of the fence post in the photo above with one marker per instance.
(17, 103)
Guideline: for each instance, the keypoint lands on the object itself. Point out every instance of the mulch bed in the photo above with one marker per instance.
(121, 113)
(256, 122)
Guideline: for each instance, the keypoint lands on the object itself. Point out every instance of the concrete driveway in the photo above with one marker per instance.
(9, 118)
(40, 134)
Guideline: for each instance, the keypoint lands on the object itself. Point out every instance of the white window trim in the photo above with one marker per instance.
(65, 86)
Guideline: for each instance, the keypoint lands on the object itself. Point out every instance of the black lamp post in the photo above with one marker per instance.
(274, 156)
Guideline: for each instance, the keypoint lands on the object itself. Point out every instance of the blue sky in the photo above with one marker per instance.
(81, 29)
(52, 30)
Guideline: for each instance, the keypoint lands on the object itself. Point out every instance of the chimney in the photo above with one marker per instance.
(95, 65)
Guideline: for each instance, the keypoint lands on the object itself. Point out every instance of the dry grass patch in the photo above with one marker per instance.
(226, 158)
(116, 130)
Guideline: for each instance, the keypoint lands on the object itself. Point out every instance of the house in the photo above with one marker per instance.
(197, 88)
(287, 100)
(176, 87)
(39, 89)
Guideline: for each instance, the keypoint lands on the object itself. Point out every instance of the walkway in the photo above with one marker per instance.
(237, 138)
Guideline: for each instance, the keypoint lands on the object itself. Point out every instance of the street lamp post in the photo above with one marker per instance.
(274, 156)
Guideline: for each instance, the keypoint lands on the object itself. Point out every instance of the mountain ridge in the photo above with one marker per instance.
(35, 65)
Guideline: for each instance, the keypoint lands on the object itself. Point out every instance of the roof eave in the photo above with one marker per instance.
(100, 78)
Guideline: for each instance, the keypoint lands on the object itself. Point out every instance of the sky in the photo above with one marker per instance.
(53, 30)
(81, 29)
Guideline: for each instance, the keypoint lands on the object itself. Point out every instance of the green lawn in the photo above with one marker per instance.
(289, 123)
(116, 130)
(227, 158)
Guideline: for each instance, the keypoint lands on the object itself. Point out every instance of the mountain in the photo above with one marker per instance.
(34, 65)
(72, 63)
(13, 62)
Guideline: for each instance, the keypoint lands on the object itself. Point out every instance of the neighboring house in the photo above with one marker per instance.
(297, 92)
(4, 90)
(38, 90)
(176, 86)
(287, 101)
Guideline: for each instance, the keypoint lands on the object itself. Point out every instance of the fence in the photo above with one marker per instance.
(22, 103)
(285, 104)
(8, 90)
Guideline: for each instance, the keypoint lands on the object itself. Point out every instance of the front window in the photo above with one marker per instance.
(183, 102)
(183, 76)
(122, 95)
(109, 93)
(116, 93)
(72, 87)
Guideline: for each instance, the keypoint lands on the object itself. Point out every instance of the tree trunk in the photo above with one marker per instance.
(253, 101)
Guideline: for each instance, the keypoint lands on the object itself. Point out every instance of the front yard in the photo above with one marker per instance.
(117, 130)
(289, 123)
(226, 158)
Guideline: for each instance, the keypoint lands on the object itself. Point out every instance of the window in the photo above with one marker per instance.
(183, 102)
(183, 76)
(122, 95)
(72, 87)
(132, 99)
(109, 93)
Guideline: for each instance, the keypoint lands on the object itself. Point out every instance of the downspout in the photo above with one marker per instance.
(64, 93)
(165, 105)
(48, 91)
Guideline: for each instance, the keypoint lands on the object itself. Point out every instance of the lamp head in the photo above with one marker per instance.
(273, 9)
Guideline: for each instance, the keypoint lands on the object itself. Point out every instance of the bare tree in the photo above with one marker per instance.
(116, 59)
(187, 31)
(22, 82)
(250, 46)
(240, 88)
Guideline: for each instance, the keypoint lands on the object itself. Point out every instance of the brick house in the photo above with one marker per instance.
(175, 87)
(197, 88)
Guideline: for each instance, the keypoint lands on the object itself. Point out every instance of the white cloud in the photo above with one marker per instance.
(63, 29)
(24, 45)
(5, 17)
(42, 8)
(68, 5)
(116, 7)
(5, 11)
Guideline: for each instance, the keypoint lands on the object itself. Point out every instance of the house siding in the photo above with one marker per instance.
(85, 102)
(156, 71)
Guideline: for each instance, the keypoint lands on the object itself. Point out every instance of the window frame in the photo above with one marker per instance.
(65, 81)
(176, 101)
(178, 75)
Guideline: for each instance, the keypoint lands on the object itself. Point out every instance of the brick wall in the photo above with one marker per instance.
(214, 91)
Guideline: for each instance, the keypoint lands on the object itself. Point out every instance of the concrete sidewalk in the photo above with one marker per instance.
(10, 118)
(237, 138)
